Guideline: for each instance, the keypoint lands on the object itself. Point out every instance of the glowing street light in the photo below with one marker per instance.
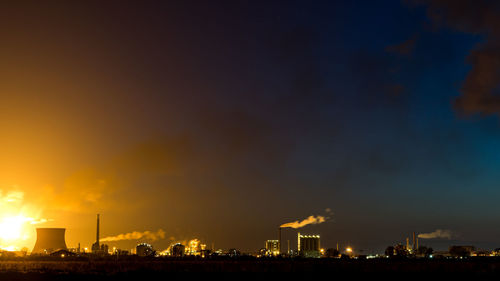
(348, 250)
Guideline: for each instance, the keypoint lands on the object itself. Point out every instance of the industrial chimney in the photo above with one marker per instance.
(96, 247)
(279, 240)
(414, 246)
(49, 240)
(97, 232)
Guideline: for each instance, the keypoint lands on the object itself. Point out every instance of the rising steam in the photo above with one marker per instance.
(439, 233)
(136, 235)
(39, 221)
(309, 220)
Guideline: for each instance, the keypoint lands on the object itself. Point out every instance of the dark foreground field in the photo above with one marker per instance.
(318, 269)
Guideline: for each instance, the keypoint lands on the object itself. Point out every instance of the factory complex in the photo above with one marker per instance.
(51, 242)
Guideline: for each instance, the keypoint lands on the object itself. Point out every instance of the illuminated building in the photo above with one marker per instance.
(177, 250)
(49, 240)
(308, 245)
(204, 251)
(63, 254)
(144, 250)
(193, 248)
(273, 247)
(120, 252)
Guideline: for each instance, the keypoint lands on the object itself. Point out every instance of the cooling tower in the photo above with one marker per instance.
(49, 240)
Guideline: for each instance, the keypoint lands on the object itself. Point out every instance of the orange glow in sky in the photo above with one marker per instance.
(14, 231)
(11, 227)
(17, 220)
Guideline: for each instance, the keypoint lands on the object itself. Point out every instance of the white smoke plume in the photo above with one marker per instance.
(439, 233)
(136, 235)
(39, 221)
(309, 220)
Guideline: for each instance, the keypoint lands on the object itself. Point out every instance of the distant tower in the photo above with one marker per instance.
(414, 246)
(279, 241)
(96, 247)
(97, 232)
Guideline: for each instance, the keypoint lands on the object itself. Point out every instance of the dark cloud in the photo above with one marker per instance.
(480, 90)
(377, 76)
(294, 52)
(481, 93)
(404, 48)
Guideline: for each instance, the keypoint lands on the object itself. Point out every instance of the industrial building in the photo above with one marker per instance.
(272, 247)
(308, 245)
(49, 240)
(144, 250)
(412, 249)
(193, 247)
(177, 250)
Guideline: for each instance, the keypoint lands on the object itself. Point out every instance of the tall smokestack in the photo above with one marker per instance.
(279, 240)
(414, 242)
(97, 232)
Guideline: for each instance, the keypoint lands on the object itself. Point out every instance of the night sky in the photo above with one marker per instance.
(221, 120)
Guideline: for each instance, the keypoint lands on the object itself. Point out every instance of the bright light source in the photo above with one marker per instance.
(11, 228)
